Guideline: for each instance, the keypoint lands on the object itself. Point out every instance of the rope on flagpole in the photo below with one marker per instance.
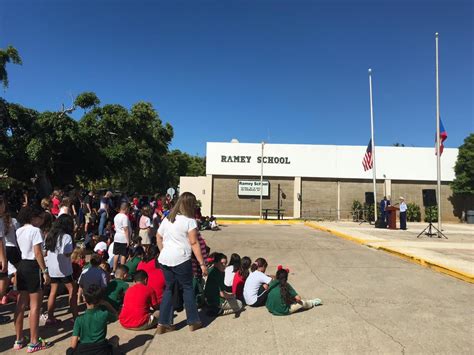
(438, 155)
(374, 172)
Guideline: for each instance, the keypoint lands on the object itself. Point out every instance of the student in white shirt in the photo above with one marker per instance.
(177, 240)
(123, 232)
(59, 246)
(230, 270)
(32, 274)
(256, 285)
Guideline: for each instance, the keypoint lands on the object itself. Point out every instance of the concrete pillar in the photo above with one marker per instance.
(296, 200)
(388, 187)
(338, 200)
(207, 197)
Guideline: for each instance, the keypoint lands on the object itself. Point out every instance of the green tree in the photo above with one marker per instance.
(464, 168)
(8, 55)
(87, 100)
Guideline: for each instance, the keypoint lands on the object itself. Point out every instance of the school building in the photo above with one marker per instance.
(315, 181)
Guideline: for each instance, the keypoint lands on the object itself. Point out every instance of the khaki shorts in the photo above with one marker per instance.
(145, 235)
(152, 323)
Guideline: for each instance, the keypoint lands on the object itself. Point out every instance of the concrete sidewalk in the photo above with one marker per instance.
(453, 256)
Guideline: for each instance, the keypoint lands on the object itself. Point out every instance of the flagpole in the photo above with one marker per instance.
(374, 172)
(438, 155)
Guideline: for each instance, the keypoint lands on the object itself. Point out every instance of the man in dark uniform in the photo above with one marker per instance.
(383, 205)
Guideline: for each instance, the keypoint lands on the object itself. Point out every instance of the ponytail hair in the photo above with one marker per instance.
(244, 267)
(7, 219)
(282, 277)
(260, 262)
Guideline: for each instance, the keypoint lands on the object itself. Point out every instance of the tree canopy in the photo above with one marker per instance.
(464, 168)
(8, 55)
(110, 146)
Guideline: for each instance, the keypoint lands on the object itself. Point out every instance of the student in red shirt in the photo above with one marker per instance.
(55, 201)
(156, 278)
(138, 303)
(240, 277)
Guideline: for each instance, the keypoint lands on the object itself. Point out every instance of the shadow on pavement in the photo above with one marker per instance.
(135, 342)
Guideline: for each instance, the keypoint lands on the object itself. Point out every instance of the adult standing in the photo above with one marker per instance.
(383, 212)
(177, 240)
(403, 214)
(104, 210)
(123, 233)
(32, 274)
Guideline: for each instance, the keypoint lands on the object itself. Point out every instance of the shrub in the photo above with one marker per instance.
(431, 212)
(356, 210)
(413, 213)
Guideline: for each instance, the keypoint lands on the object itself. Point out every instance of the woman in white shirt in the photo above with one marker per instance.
(177, 240)
(59, 247)
(31, 274)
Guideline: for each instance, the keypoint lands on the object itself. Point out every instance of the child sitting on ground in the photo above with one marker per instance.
(230, 271)
(256, 285)
(116, 288)
(93, 275)
(283, 299)
(90, 329)
(240, 277)
(139, 300)
(219, 301)
(156, 277)
(135, 257)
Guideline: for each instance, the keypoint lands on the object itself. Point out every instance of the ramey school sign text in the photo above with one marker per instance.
(248, 159)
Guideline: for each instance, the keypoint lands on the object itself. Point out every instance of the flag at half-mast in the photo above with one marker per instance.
(443, 135)
(368, 162)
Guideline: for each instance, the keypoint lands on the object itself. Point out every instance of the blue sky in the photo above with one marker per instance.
(279, 71)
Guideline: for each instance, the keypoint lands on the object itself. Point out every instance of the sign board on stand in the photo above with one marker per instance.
(252, 188)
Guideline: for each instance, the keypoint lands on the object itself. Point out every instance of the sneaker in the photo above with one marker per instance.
(52, 322)
(4, 300)
(162, 329)
(44, 318)
(195, 326)
(4, 319)
(316, 302)
(20, 344)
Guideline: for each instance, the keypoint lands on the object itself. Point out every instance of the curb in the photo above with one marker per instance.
(412, 258)
(223, 222)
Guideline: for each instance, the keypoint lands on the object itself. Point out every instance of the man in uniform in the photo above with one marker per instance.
(403, 214)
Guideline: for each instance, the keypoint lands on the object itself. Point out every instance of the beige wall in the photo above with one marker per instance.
(318, 198)
(413, 193)
(201, 187)
(226, 202)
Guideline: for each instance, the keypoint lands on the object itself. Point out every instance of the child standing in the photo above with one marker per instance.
(283, 299)
(116, 288)
(218, 300)
(240, 277)
(256, 285)
(90, 329)
(145, 226)
(137, 304)
(78, 259)
(32, 274)
(60, 247)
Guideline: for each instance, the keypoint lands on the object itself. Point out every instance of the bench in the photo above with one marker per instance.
(273, 212)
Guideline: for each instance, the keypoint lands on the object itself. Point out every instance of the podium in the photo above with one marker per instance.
(392, 216)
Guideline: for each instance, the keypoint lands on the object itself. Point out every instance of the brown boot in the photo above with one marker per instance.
(162, 329)
(195, 326)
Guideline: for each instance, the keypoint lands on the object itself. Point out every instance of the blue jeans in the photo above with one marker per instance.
(183, 273)
(102, 222)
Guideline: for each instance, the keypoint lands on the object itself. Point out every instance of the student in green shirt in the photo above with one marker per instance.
(90, 329)
(116, 288)
(283, 299)
(219, 302)
(133, 262)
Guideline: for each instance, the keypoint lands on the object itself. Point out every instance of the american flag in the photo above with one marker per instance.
(367, 162)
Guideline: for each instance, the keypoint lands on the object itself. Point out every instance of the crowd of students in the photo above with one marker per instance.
(125, 263)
